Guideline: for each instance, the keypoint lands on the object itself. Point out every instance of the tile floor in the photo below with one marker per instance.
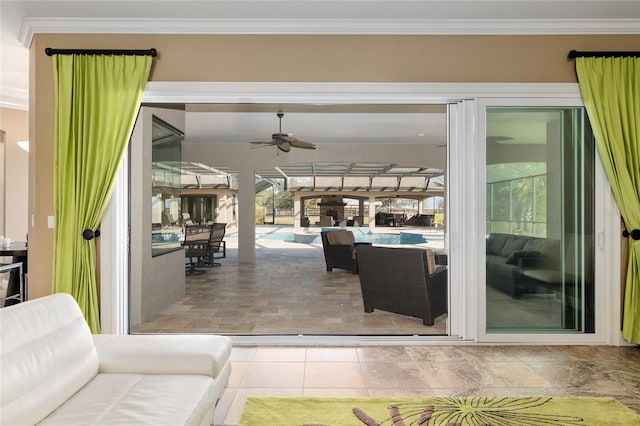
(273, 297)
(286, 291)
(439, 370)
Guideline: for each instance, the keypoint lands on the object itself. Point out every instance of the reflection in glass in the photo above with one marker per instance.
(201, 209)
(539, 223)
(166, 153)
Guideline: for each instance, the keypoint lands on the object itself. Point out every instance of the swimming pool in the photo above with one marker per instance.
(401, 238)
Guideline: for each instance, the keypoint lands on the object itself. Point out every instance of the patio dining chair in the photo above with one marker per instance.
(217, 245)
(196, 247)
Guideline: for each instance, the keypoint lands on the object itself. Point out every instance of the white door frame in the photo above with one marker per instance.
(465, 155)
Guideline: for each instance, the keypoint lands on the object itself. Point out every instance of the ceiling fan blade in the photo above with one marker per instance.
(302, 144)
(297, 143)
(262, 144)
(284, 146)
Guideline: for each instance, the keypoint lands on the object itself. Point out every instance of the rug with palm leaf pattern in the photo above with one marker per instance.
(463, 411)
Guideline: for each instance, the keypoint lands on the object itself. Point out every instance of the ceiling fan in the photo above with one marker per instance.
(283, 141)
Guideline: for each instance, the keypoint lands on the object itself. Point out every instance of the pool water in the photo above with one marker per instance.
(401, 238)
(281, 236)
(390, 239)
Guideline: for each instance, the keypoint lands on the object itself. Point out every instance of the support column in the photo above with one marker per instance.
(361, 211)
(421, 205)
(297, 205)
(372, 212)
(246, 215)
(222, 207)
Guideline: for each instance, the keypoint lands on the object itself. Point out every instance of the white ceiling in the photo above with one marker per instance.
(319, 127)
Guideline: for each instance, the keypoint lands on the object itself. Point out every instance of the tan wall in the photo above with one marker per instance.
(296, 58)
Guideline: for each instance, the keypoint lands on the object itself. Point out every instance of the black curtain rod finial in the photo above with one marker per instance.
(131, 52)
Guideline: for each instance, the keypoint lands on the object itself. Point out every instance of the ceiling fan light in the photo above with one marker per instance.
(499, 139)
(284, 146)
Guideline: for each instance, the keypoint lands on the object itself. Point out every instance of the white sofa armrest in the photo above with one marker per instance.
(165, 354)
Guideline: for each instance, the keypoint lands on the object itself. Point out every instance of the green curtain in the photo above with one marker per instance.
(97, 101)
(611, 91)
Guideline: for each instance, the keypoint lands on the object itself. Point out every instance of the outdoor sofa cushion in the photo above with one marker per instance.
(341, 237)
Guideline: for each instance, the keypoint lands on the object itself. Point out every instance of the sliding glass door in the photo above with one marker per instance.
(540, 180)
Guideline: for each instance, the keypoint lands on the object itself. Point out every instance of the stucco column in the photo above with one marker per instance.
(372, 212)
(246, 215)
(228, 209)
(222, 208)
(421, 205)
(297, 205)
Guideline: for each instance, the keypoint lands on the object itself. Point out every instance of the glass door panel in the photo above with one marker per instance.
(540, 220)
(201, 209)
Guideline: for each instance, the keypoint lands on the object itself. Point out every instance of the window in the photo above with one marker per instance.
(166, 228)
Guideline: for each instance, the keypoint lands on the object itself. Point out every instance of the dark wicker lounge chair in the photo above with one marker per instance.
(398, 280)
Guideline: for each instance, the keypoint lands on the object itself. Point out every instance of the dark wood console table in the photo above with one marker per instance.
(18, 251)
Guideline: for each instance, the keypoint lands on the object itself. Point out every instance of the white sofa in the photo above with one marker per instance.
(55, 372)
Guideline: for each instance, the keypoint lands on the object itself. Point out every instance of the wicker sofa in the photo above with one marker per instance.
(509, 258)
(404, 281)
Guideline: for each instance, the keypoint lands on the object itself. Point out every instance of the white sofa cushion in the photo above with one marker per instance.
(47, 354)
(138, 399)
(163, 354)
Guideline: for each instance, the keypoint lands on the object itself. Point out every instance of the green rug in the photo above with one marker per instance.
(495, 411)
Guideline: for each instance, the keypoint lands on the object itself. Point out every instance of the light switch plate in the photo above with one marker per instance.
(50, 221)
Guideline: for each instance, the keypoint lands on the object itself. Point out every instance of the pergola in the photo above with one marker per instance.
(361, 181)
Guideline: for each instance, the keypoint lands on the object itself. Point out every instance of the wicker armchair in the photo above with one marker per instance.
(339, 250)
(398, 280)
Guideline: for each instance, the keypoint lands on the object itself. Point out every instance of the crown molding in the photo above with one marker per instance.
(13, 104)
(32, 26)
(14, 98)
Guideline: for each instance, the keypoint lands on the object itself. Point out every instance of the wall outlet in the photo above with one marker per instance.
(50, 221)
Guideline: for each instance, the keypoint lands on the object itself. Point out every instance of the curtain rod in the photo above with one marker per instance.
(575, 54)
(150, 52)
